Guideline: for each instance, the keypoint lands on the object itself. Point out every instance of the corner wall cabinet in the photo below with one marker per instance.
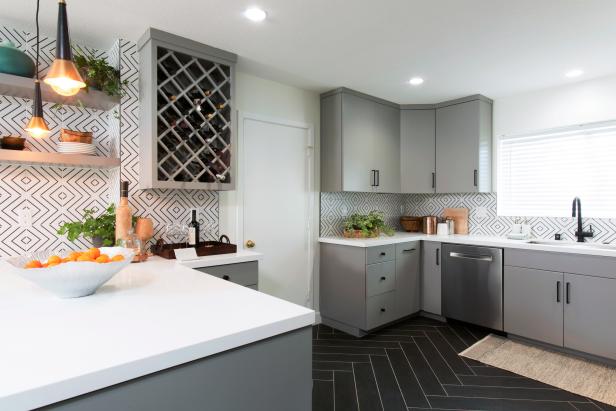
(361, 143)
(372, 145)
(187, 125)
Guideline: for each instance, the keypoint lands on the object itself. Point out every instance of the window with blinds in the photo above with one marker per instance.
(539, 174)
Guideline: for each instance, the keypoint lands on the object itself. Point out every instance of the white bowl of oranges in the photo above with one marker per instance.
(76, 274)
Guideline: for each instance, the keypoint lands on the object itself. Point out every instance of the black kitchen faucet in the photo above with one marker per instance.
(580, 233)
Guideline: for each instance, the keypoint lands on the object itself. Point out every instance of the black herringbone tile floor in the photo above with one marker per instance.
(414, 365)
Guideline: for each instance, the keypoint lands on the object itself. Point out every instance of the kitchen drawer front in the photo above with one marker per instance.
(380, 278)
(380, 309)
(240, 273)
(380, 254)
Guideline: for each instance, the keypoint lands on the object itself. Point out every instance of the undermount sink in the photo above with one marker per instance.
(573, 244)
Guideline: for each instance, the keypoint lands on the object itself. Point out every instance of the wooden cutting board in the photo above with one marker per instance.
(460, 216)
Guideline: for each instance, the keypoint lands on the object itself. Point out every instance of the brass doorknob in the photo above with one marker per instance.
(250, 244)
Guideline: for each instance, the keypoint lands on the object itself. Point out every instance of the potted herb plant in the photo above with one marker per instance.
(99, 230)
(366, 225)
(99, 75)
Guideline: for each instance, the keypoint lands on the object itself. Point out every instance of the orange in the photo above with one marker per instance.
(45, 265)
(52, 264)
(84, 257)
(74, 255)
(94, 253)
(118, 257)
(67, 260)
(103, 258)
(34, 264)
(54, 259)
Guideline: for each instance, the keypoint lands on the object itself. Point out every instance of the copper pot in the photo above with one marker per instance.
(429, 224)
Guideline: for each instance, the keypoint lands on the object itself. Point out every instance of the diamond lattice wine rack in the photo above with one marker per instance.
(187, 123)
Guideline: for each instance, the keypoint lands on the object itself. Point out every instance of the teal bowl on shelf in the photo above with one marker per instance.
(14, 61)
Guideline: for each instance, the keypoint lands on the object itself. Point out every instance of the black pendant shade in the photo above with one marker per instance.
(63, 40)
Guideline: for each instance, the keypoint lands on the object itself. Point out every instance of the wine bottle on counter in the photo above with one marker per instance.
(124, 214)
(193, 230)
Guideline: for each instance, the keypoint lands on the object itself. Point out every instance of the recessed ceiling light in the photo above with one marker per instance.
(415, 81)
(255, 14)
(574, 73)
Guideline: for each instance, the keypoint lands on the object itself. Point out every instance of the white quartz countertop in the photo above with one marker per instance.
(242, 256)
(149, 317)
(488, 241)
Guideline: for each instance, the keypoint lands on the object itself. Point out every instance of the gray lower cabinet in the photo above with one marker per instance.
(533, 304)
(570, 310)
(590, 315)
(417, 150)
(431, 277)
(365, 288)
(246, 274)
(464, 146)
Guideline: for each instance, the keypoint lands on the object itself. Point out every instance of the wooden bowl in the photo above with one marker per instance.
(13, 143)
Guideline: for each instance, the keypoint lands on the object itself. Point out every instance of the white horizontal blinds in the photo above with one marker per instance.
(540, 174)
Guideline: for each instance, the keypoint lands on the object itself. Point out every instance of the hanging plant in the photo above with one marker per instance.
(99, 75)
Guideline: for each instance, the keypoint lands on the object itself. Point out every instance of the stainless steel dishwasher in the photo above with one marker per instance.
(473, 284)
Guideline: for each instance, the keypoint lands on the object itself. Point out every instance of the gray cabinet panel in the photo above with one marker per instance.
(331, 143)
(386, 145)
(463, 147)
(533, 304)
(417, 151)
(380, 254)
(408, 283)
(431, 277)
(380, 278)
(380, 309)
(590, 323)
(358, 129)
(240, 273)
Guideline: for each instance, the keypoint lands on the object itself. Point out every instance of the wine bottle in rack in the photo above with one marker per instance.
(193, 230)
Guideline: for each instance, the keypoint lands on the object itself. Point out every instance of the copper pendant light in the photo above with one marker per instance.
(63, 76)
(37, 127)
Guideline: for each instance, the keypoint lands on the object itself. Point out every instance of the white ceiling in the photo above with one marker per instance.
(460, 47)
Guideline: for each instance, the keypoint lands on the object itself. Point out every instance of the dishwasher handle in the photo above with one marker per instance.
(471, 257)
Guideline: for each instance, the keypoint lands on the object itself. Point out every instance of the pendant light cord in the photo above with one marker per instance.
(38, 2)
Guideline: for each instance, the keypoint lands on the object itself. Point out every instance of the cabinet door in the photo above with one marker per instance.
(408, 283)
(417, 151)
(386, 145)
(533, 304)
(358, 130)
(590, 323)
(457, 147)
(431, 277)
(331, 143)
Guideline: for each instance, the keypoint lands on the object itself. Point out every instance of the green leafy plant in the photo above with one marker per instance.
(98, 74)
(370, 225)
(102, 226)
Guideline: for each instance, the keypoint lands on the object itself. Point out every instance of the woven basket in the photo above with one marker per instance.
(411, 224)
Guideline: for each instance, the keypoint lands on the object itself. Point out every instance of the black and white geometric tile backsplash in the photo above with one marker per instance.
(483, 219)
(36, 200)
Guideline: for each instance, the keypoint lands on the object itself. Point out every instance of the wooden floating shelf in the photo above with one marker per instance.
(23, 87)
(41, 158)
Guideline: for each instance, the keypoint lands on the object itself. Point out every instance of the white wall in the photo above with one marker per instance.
(255, 95)
(577, 103)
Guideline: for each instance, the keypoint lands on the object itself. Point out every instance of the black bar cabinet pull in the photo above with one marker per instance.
(383, 253)
(373, 177)
(378, 178)
(558, 291)
(438, 252)
(433, 180)
(475, 178)
(568, 293)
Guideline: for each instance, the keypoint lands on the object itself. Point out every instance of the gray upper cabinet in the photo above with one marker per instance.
(360, 143)
(417, 150)
(533, 304)
(464, 145)
(590, 324)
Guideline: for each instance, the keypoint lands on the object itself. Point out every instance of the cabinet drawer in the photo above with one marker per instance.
(380, 278)
(380, 309)
(380, 254)
(240, 273)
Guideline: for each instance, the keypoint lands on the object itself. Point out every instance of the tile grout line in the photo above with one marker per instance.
(396, 378)
(355, 385)
(444, 360)
(416, 378)
(430, 365)
(454, 348)
(499, 398)
(376, 383)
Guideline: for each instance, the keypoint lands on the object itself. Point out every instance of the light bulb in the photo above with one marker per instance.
(37, 132)
(65, 86)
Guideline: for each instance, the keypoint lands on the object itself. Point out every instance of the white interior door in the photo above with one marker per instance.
(277, 208)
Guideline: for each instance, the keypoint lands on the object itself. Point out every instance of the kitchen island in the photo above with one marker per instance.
(158, 336)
